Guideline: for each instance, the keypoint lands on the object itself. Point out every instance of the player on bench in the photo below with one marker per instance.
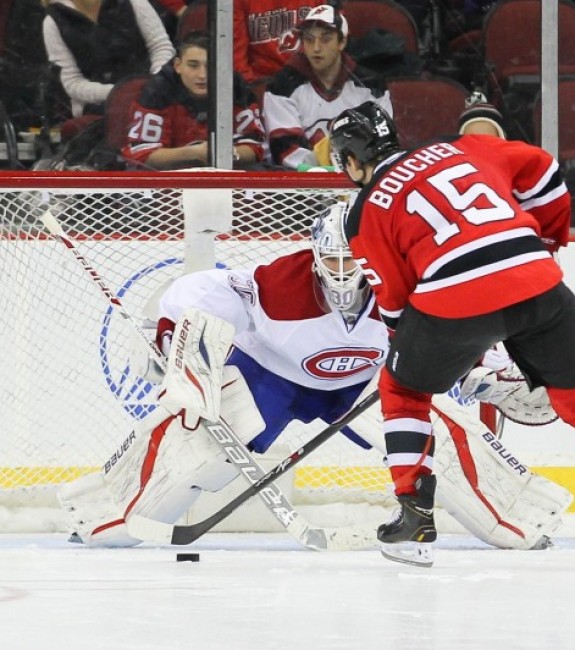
(290, 323)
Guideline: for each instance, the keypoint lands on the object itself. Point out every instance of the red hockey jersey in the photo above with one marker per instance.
(263, 36)
(461, 227)
(167, 115)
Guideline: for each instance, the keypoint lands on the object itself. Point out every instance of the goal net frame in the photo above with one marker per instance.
(72, 399)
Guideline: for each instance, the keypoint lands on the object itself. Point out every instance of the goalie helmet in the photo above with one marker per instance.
(367, 132)
(340, 278)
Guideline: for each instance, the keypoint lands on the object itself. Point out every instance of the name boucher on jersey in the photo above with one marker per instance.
(461, 227)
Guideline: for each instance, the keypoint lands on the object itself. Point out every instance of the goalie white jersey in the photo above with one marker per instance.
(282, 322)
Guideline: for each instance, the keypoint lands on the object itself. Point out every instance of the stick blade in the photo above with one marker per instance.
(149, 530)
(347, 538)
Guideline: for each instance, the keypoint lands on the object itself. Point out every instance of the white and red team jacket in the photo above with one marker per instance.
(455, 227)
(281, 324)
(298, 109)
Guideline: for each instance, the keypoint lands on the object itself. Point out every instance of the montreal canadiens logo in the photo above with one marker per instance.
(338, 363)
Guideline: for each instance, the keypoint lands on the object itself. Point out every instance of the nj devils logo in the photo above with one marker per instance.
(341, 362)
(289, 41)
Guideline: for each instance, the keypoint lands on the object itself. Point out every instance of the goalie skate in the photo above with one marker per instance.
(407, 538)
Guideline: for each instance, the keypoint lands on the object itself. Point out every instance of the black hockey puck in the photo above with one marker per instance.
(188, 557)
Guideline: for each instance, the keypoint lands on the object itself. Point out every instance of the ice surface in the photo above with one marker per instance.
(262, 592)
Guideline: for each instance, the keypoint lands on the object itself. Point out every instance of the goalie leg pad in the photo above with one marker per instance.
(486, 488)
(239, 409)
(161, 471)
(92, 512)
(369, 424)
(95, 504)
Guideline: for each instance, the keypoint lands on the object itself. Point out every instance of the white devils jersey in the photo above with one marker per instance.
(281, 324)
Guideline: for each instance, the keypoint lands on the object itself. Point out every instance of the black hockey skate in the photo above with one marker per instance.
(407, 538)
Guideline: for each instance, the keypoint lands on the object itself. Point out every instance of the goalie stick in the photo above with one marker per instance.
(149, 529)
(319, 539)
(335, 539)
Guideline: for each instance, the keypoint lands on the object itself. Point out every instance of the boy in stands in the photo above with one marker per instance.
(170, 124)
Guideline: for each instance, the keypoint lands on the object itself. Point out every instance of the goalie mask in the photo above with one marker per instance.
(340, 278)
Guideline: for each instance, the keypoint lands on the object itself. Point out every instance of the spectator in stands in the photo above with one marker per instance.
(481, 118)
(95, 43)
(170, 128)
(262, 32)
(470, 12)
(264, 39)
(24, 73)
(314, 87)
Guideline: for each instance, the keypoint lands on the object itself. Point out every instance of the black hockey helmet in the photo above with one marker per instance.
(366, 131)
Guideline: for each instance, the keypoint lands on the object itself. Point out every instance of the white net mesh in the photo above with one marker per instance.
(68, 396)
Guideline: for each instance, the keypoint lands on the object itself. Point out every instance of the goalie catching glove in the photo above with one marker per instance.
(509, 392)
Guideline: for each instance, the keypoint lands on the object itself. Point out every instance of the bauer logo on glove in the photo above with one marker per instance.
(193, 380)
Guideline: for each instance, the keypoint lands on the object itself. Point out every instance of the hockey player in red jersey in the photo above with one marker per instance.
(456, 239)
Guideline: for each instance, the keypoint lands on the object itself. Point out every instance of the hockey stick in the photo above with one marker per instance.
(272, 496)
(143, 528)
(319, 539)
(55, 228)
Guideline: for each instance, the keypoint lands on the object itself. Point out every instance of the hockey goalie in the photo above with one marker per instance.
(301, 339)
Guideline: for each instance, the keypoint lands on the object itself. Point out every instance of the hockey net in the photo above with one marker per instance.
(68, 396)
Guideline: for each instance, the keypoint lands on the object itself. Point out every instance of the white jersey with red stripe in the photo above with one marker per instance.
(282, 323)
